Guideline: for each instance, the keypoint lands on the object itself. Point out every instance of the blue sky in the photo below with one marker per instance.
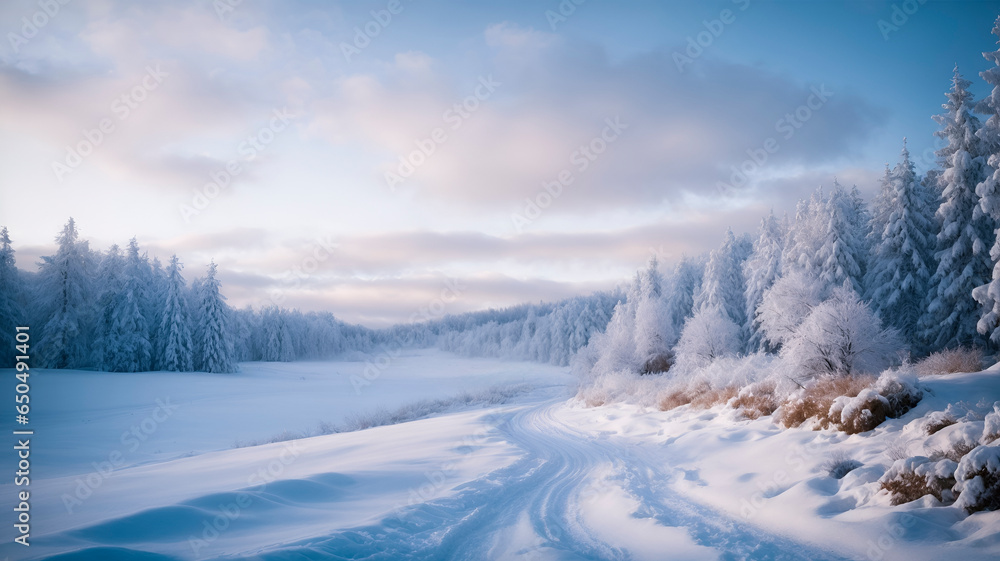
(635, 147)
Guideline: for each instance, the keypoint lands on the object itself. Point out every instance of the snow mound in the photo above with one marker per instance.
(978, 480)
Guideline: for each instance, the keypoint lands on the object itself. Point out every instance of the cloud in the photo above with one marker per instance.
(684, 129)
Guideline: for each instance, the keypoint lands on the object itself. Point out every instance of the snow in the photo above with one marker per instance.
(540, 477)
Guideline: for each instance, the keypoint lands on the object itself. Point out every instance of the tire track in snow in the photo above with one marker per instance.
(544, 485)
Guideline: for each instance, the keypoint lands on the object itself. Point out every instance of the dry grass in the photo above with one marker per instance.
(897, 451)
(908, 486)
(940, 423)
(955, 453)
(872, 413)
(962, 359)
(757, 400)
(714, 396)
(683, 395)
(839, 465)
(815, 401)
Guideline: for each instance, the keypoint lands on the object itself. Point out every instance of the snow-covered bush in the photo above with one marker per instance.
(950, 361)
(900, 389)
(938, 420)
(816, 398)
(841, 336)
(991, 429)
(911, 478)
(978, 480)
(757, 400)
(709, 335)
(786, 305)
(861, 413)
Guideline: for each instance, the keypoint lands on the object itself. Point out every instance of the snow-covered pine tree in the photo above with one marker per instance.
(723, 287)
(125, 343)
(685, 284)
(11, 298)
(64, 302)
(214, 344)
(900, 268)
(965, 234)
(654, 332)
(109, 285)
(805, 237)
(276, 342)
(841, 255)
(177, 352)
(761, 270)
(988, 294)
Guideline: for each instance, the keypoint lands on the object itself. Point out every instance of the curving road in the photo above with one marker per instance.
(543, 490)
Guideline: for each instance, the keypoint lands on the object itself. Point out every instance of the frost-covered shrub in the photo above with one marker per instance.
(841, 336)
(709, 335)
(814, 401)
(786, 305)
(861, 413)
(991, 430)
(950, 361)
(978, 480)
(938, 420)
(757, 400)
(911, 478)
(901, 390)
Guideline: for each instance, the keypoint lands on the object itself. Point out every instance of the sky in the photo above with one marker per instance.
(378, 159)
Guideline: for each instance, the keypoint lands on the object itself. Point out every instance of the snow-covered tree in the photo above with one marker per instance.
(841, 336)
(786, 305)
(761, 270)
(125, 345)
(654, 330)
(841, 254)
(276, 341)
(805, 236)
(214, 343)
(177, 349)
(11, 298)
(900, 266)
(685, 284)
(709, 335)
(723, 287)
(65, 302)
(966, 232)
(988, 294)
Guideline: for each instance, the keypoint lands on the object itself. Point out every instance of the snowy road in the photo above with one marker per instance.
(543, 505)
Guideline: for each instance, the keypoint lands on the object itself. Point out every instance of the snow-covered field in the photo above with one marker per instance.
(129, 463)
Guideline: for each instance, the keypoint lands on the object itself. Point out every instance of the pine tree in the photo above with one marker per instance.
(177, 354)
(125, 342)
(988, 294)
(654, 332)
(685, 284)
(761, 270)
(961, 247)
(65, 302)
(214, 345)
(805, 237)
(900, 267)
(841, 255)
(11, 298)
(723, 287)
(276, 345)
